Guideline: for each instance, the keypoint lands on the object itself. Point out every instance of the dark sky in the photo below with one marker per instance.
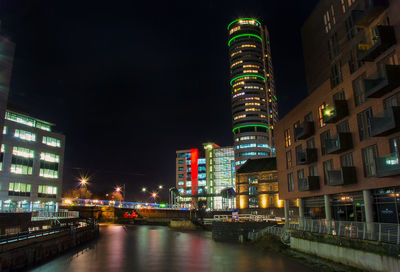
(131, 82)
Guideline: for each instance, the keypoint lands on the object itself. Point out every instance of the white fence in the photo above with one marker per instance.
(384, 232)
(247, 217)
(42, 215)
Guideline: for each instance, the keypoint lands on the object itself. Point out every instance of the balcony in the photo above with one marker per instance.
(386, 123)
(335, 112)
(306, 157)
(373, 8)
(385, 38)
(308, 184)
(340, 143)
(344, 176)
(388, 165)
(305, 130)
(382, 83)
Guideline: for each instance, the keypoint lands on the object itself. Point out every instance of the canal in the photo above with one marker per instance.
(156, 248)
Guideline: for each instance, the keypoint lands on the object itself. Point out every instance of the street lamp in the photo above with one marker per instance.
(160, 187)
(143, 189)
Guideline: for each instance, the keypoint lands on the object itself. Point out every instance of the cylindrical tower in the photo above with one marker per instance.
(254, 103)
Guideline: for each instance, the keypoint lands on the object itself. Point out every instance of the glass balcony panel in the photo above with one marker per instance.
(388, 165)
(386, 123)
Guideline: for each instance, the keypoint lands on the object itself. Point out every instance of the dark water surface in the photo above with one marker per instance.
(154, 248)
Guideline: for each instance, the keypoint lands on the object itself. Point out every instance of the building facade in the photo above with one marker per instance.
(31, 163)
(337, 151)
(254, 102)
(220, 163)
(6, 62)
(205, 178)
(257, 188)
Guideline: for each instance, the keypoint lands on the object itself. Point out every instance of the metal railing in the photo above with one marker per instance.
(278, 231)
(247, 217)
(41, 215)
(383, 232)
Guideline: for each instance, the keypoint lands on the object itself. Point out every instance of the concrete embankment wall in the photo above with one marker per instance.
(352, 257)
(182, 224)
(23, 254)
(236, 231)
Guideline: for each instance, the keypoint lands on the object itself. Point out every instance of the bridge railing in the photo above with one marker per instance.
(247, 217)
(41, 215)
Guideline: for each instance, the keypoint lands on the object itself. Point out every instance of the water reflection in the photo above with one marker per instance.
(150, 248)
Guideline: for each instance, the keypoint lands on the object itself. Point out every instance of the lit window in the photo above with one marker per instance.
(47, 191)
(22, 152)
(288, 140)
(236, 63)
(49, 165)
(234, 29)
(239, 117)
(49, 157)
(25, 135)
(19, 189)
(51, 141)
(5, 130)
(321, 115)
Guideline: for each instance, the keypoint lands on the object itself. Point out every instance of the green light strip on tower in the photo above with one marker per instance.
(243, 19)
(233, 130)
(275, 98)
(244, 35)
(249, 75)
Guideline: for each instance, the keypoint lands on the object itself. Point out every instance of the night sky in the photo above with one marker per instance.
(131, 82)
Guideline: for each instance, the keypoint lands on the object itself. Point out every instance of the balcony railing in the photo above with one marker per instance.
(385, 38)
(382, 83)
(343, 176)
(308, 184)
(388, 165)
(340, 143)
(335, 112)
(305, 130)
(386, 123)
(373, 8)
(306, 157)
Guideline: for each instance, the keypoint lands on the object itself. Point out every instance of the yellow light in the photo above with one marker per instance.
(280, 203)
(67, 201)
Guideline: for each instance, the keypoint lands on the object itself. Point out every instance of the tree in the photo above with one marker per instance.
(81, 192)
(117, 196)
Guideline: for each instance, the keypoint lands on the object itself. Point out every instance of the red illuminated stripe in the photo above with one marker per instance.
(194, 155)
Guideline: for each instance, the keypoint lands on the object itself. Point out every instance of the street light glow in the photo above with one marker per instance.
(154, 195)
(160, 187)
(143, 189)
(118, 189)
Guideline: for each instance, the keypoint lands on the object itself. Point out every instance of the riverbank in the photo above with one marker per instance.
(39, 247)
(273, 243)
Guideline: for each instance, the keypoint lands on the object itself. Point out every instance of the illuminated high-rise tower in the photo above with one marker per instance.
(254, 102)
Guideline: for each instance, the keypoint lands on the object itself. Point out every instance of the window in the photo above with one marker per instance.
(1, 159)
(369, 156)
(19, 189)
(47, 191)
(49, 157)
(324, 137)
(347, 160)
(311, 143)
(181, 169)
(327, 165)
(333, 46)
(350, 29)
(339, 96)
(329, 19)
(321, 115)
(290, 181)
(289, 159)
(392, 101)
(299, 150)
(358, 87)
(5, 130)
(343, 127)
(394, 145)
(364, 124)
(336, 74)
(25, 120)
(22, 161)
(25, 135)
(354, 63)
(300, 174)
(308, 117)
(253, 190)
(51, 141)
(181, 183)
(253, 202)
(180, 176)
(296, 125)
(313, 171)
(288, 141)
(253, 180)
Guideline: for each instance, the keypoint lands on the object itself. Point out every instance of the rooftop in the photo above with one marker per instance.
(258, 165)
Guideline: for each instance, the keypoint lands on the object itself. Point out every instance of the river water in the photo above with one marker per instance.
(156, 248)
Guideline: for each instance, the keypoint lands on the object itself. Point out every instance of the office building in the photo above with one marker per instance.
(6, 62)
(205, 178)
(338, 150)
(254, 102)
(257, 188)
(31, 164)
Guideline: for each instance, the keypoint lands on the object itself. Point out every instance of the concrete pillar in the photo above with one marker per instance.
(369, 219)
(286, 210)
(301, 208)
(328, 211)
